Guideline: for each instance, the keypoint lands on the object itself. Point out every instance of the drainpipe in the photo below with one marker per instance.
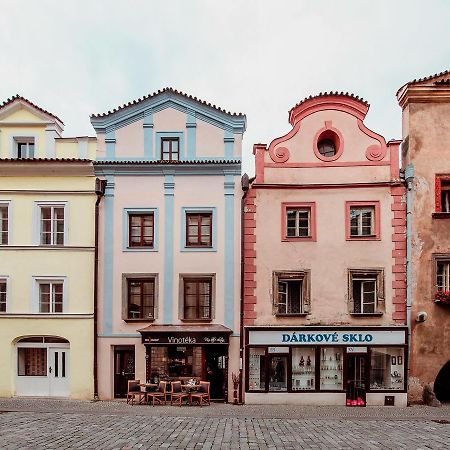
(100, 186)
(409, 179)
(245, 183)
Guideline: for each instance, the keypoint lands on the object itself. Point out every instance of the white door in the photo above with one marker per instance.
(58, 372)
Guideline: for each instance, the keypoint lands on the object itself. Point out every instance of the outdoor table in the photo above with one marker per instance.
(190, 389)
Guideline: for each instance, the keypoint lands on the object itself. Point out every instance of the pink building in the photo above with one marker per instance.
(324, 262)
(169, 245)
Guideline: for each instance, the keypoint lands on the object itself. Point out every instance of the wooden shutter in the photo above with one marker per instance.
(350, 301)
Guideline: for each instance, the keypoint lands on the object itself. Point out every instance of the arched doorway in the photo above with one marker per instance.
(42, 366)
(442, 384)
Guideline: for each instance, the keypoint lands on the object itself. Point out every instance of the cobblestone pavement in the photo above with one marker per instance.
(53, 424)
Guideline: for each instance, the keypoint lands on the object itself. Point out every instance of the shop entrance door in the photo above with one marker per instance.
(356, 380)
(216, 368)
(123, 370)
(58, 372)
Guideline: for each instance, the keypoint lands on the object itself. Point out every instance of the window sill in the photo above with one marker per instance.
(137, 320)
(198, 249)
(441, 215)
(377, 314)
(292, 315)
(196, 320)
(372, 237)
(299, 239)
(140, 249)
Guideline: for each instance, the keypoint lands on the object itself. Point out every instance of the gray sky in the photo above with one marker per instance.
(258, 57)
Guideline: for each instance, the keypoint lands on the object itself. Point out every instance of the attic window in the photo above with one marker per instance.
(326, 147)
(24, 147)
(328, 144)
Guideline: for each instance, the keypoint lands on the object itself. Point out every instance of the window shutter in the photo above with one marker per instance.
(350, 301)
(381, 304)
(275, 293)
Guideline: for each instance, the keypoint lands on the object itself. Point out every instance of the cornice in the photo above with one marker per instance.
(423, 94)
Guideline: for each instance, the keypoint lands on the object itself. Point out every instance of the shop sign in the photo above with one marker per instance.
(326, 337)
(356, 349)
(278, 349)
(185, 338)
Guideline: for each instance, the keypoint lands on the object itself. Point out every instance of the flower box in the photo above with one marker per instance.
(442, 297)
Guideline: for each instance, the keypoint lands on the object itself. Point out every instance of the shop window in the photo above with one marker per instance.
(170, 149)
(303, 368)
(291, 293)
(52, 225)
(4, 224)
(140, 230)
(387, 368)
(2, 295)
(257, 369)
(278, 373)
(199, 229)
(139, 292)
(366, 292)
(363, 220)
(51, 297)
(197, 298)
(175, 362)
(32, 362)
(331, 368)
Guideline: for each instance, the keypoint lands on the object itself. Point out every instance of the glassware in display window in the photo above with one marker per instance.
(387, 370)
(331, 368)
(278, 373)
(303, 369)
(256, 369)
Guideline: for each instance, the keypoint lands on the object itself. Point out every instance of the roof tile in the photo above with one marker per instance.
(19, 97)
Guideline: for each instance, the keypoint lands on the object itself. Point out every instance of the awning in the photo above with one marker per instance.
(185, 334)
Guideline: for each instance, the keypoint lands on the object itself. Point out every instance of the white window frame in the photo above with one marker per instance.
(360, 225)
(285, 296)
(25, 140)
(445, 192)
(362, 301)
(375, 275)
(5, 279)
(7, 204)
(297, 210)
(37, 222)
(446, 276)
(37, 281)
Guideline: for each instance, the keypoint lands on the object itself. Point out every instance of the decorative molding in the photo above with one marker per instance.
(373, 152)
(377, 220)
(229, 250)
(279, 154)
(326, 131)
(169, 207)
(202, 209)
(125, 222)
(312, 225)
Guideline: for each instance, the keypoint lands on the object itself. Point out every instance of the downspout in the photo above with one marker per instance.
(100, 192)
(409, 179)
(245, 183)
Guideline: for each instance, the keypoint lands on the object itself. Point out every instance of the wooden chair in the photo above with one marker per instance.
(159, 395)
(134, 390)
(177, 394)
(203, 393)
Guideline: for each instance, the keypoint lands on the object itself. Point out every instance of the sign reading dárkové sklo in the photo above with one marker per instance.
(326, 337)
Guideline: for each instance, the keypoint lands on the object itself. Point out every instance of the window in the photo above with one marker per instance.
(278, 373)
(443, 275)
(52, 225)
(141, 298)
(199, 229)
(331, 368)
(170, 149)
(326, 147)
(442, 194)
(298, 222)
(387, 368)
(140, 230)
(24, 147)
(363, 220)
(197, 295)
(2, 295)
(366, 291)
(291, 293)
(303, 368)
(257, 369)
(51, 297)
(3, 224)
(32, 362)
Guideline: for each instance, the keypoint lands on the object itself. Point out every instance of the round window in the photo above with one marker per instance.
(326, 147)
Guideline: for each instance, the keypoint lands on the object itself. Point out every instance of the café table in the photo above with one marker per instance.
(190, 389)
(148, 387)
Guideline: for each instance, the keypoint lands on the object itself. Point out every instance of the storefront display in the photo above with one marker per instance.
(351, 362)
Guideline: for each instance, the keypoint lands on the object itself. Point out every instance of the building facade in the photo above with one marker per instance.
(324, 262)
(425, 107)
(47, 201)
(169, 286)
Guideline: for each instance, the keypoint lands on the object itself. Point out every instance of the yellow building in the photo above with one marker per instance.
(47, 255)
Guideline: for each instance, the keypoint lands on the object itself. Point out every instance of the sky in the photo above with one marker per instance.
(258, 57)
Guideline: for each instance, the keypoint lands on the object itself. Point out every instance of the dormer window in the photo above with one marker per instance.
(326, 148)
(170, 149)
(24, 147)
